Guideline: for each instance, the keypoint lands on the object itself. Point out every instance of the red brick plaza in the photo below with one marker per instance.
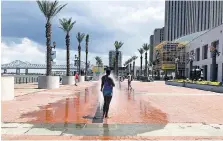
(153, 111)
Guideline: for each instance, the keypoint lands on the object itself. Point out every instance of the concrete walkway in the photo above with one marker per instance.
(153, 111)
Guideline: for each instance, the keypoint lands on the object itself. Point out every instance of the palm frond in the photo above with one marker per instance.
(141, 51)
(80, 37)
(134, 58)
(87, 38)
(50, 8)
(118, 45)
(66, 24)
(146, 47)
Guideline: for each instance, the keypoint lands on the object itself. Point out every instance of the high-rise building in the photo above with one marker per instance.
(112, 55)
(151, 48)
(186, 17)
(155, 39)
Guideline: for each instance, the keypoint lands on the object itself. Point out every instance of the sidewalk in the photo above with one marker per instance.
(153, 111)
(12, 111)
(23, 89)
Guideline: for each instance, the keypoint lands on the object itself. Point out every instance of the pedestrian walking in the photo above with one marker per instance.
(76, 77)
(129, 81)
(107, 85)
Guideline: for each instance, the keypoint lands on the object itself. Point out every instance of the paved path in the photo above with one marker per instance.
(153, 111)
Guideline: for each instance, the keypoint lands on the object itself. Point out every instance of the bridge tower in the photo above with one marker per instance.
(5, 70)
(26, 71)
(17, 71)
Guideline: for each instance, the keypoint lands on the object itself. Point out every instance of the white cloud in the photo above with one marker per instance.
(130, 21)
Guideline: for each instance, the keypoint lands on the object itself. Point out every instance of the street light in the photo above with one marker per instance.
(52, 47)
(76, 62)
(176, 69)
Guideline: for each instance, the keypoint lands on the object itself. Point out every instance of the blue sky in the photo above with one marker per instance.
(130, 22)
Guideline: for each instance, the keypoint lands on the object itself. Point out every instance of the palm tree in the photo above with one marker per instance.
(130, 65)
(80, 37)
(86, 65)
(146, 48)
(49, 9)
(133, 59)
(98, 61)
(117, 45)
(66, 26)
(214, 53)
(141, 51)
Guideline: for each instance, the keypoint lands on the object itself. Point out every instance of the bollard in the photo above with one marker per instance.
(26, 80)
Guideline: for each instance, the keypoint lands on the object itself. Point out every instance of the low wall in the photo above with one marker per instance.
(7, 88)
(218, 89)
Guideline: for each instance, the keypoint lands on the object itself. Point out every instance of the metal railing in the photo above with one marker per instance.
(25, 79)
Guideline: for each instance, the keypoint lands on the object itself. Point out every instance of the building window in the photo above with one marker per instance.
(198, 54)
(205, 52)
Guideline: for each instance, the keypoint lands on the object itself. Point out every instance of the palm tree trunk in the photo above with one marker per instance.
(141, 65)
(86, 64)
(48, 49)
(133, 69)
(116, 60)
(191, 65)
(130, 72)
(146, 64)
(68, 53)
(214, 64)
(79, 57)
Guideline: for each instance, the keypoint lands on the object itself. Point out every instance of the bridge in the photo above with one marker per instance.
(18, 64)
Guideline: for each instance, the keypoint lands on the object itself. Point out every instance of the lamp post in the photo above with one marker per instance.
(176, 65)
(76, 61)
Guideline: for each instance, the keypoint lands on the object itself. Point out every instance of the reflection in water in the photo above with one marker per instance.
(66, 110)
(49, 113)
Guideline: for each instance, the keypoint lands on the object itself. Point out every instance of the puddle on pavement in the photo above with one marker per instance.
(70, 109)
(82, 107)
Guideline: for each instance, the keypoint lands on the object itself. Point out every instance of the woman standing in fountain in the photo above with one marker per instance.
(107, 89)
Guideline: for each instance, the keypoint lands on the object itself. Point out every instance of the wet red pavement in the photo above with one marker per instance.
(150, 103)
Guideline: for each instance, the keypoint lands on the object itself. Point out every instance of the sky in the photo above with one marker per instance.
(132, 22)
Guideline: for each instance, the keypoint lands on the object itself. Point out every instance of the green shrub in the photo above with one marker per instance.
(197, 82)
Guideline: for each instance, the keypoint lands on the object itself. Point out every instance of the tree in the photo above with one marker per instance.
(66, 26)
(141, 51)
(86, 63)
(130, 65)
(146, 49)
(133, 59)
(49, 9)
(98, 61)
(117, 45)
(214, 53)
(80, 37)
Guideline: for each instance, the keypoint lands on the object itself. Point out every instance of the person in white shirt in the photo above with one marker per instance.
(129, 81)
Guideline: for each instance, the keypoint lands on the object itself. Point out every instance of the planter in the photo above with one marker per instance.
(67, 80)
(81, 78)
(174, 83)
(7, 88)
(48, 82)
(218, 89)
